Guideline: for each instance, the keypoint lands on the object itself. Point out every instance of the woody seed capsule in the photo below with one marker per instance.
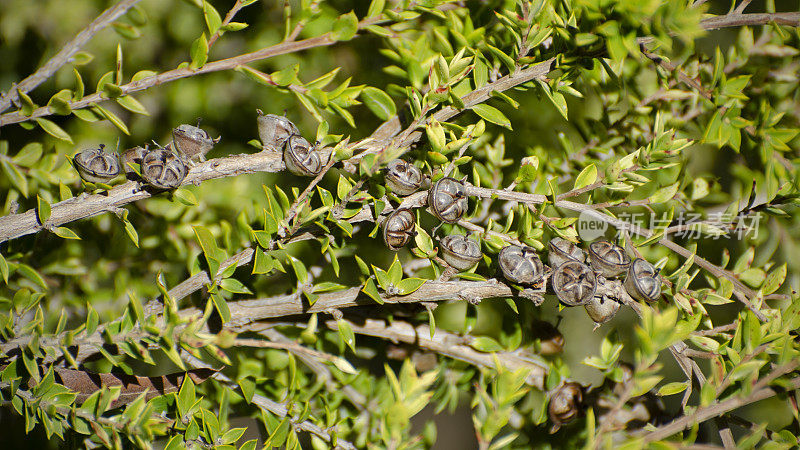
(460, 252)
(402, 177)
(607, 258)
(521, 265)
(561, 250)
(163, 168)
(601, 309)
(192, 142)
(642, 282)
(274, 130)
(574, 283)
(96, 165)
(564, 404)
(447, 199)
(398, 229)
(300, 158)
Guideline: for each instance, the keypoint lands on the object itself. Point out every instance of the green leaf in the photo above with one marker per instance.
(42, 210)
(378, 102)
(81, 58)
(344, 365)
(185, 196)
(486, 344)
(29, 155)
(142, 74)
(27, 105)
(132, 105)
(4, 268)
(214, 256)
(65, 233)
(665, 194)
(53, 130)
(111, 117)
(131, 232)
(492, 114)
(59, 103)
(234, 26)
(112, 90)
(92, 320)
(372, 291)
(17, 178)
(211, 15)
(774, 280)
(346, 333)
(410, 285)
(395, 271)
(199, 52)
(376, 7)
(127, 30)
(234, 286)
(586, 177)
(672, 388)
(221, 305)
(345, 27)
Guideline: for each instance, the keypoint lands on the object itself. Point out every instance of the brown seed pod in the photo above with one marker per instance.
(460, 251)
(565, 404)
(551, 341)
(601, 309)
(398, 229)
(561, 250)
(574, 283)
(96, 165)
(301, 158)
(607, 258)
(192, 142)
(447, 199)
(274, 131)
(521, 265)
(163, 168)
(402, 177)
(642, 282)
(132, 156)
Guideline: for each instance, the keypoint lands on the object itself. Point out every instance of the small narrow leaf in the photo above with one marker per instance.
(345, 27)
(42, 210)
(378, 102)
(492, 114)
(199, 52)
(65, 233)
(53, 130)
(213, 20)
(586, 177)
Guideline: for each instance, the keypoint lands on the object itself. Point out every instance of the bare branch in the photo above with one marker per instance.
(450, 345)
(704, 413)
(791, 19)
(16, 225)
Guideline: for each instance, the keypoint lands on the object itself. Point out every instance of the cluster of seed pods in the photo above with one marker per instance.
(573, 280)
(160, 167)
(279, 134)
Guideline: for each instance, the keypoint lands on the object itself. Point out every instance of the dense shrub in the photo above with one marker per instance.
(257, 302)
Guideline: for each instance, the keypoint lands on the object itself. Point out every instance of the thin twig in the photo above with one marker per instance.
(450, 345)
(704, 413)
(176, 74)
(740, 9)
(228, 17)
